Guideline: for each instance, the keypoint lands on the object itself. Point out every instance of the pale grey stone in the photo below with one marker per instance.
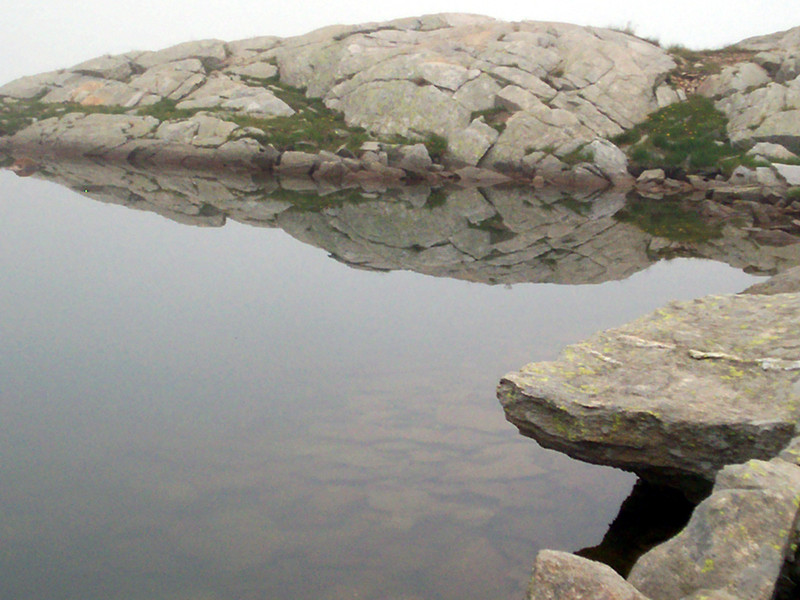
(211, 131)
(564, 576)
(447, 75)
(172, 80)
(414, 158)
(737, 78)
(177, 131)
(258, 70)
(651, 176)
(259, 102)
(210, 53)
(402, 107)
(766, 177)
(788, 173)
(773, 151)
(736, 541)
(515, 98)
(526, 81)
(471, 144)
(743, 176)
(297, 163)
(106, 67)
(611, 161)
(478, 94)
(31, 86)
(665, 95)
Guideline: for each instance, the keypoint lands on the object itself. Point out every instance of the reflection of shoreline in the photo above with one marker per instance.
(491, 235)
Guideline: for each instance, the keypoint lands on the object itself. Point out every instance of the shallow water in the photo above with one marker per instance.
(195, 413)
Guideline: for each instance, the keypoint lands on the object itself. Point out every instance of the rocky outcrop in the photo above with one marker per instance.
(686, 390)
(761, 96)
(685, 381)
(495, 90)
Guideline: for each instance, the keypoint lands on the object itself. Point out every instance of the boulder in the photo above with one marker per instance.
(685, 390)
(771, 151)
(736, 542)
(564, 576)
(788, 173)
(414, 158)
(295, 164)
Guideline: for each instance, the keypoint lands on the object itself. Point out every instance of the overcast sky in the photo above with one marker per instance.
(43, 35)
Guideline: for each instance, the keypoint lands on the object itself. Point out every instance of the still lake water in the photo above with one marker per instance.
(226, 413)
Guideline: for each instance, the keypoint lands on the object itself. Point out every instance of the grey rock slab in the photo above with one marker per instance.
(211, 131)
(736, 540)
(772, 151)
(564, 576)
(258, 70)
(736, 78)
(31, 86)
(211, 53)
(469, 145)
(171, 80)
(611, 161)
(414, 158)
(177, 131)
(478, 94)
(786, 282)
(402, 107)
(782, 128)
(106, 67)
(515, 98)
(789, 173)
(297, 163)
(687, 389)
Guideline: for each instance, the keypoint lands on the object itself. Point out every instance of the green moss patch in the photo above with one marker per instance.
(691, 135)
(669, 219)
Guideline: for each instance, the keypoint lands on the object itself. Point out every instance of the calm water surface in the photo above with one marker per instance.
(216, 414)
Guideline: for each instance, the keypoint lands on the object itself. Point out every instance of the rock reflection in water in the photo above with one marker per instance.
(495, 235)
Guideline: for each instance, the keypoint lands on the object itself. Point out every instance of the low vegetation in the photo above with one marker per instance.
(689, 135)
(669, 219)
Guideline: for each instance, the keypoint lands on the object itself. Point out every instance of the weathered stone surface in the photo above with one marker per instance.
(564, 576)
(211, 131)
(611, 161)
(471, 144)
(414, 158)
(296, 163)
(767, 114)
(737, 78)
(172, 80)
(259, 70)
(687, 389)
(771, 151)
(89, 134)
(736, 541)
(789, 173)
(211, 53)
(106, 67)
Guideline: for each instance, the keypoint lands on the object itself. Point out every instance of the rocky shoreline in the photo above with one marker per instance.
(706, 389)
(709, 389)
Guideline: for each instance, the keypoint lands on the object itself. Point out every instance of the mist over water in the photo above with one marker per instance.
(227, 412)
